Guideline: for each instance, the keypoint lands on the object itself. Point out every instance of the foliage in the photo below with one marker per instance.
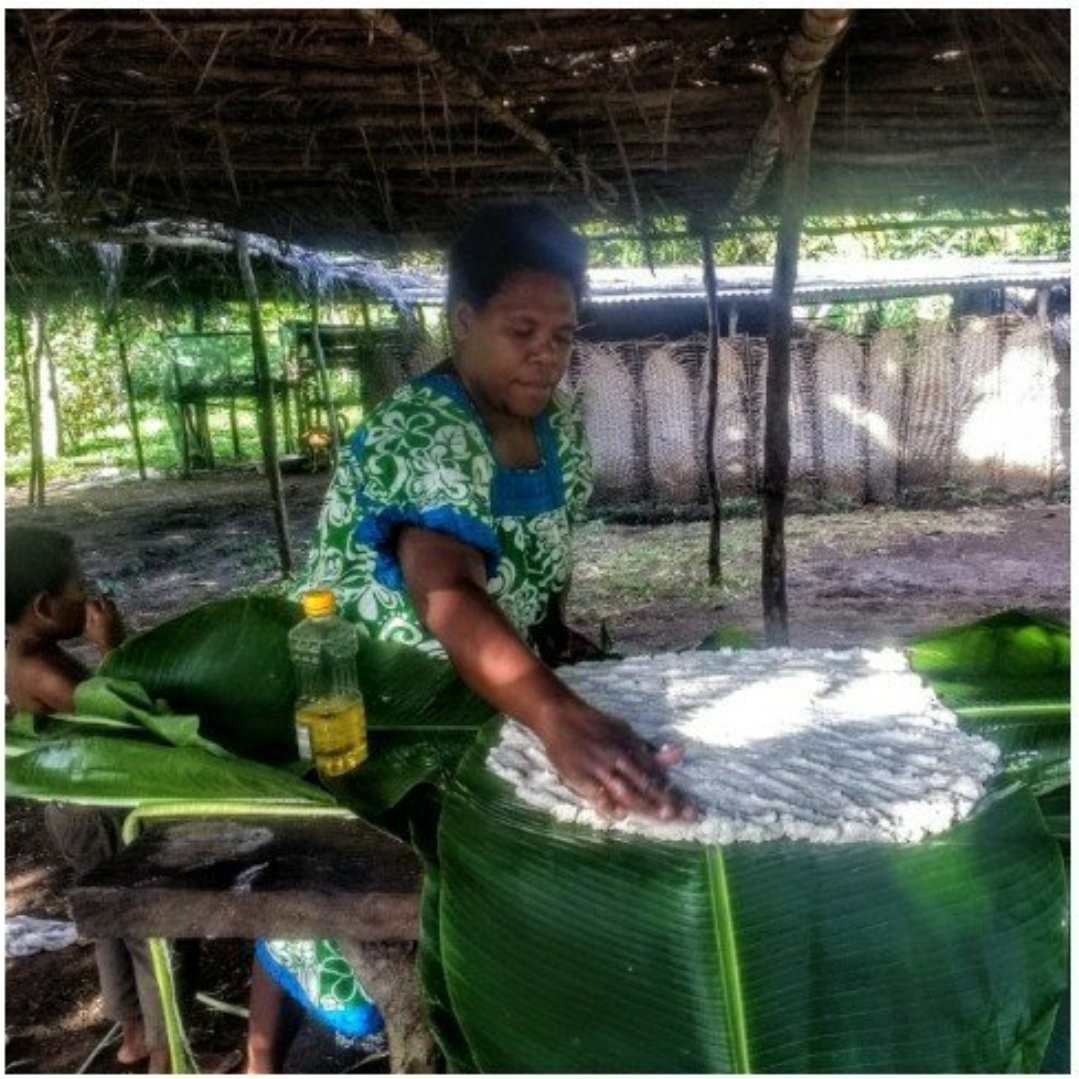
(538, 927)
(785, 957)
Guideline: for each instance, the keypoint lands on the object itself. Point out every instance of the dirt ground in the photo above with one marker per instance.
(873, 578)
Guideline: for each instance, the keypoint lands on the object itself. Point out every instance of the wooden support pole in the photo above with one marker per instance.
(265, 405)
(711, 466)
(796, 125)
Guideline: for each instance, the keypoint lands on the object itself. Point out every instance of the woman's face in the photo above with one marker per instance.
(512, 352)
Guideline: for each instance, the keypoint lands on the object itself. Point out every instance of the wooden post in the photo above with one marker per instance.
(265, 405)
(711, 467)
(796, 125)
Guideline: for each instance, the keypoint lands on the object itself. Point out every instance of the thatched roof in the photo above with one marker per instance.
(362, 130)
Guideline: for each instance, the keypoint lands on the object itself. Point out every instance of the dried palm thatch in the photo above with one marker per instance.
(366, 130)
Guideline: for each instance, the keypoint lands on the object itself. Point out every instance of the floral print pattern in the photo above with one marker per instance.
(424, 457)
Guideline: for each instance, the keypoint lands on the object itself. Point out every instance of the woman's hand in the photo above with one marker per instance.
(104, 626)
(612, 768)
(596, 755)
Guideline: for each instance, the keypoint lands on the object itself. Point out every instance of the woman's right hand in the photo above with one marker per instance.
(616, 771)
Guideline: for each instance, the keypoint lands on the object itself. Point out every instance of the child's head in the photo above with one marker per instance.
(44, 580)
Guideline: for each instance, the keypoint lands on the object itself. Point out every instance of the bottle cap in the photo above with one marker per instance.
(317, 602)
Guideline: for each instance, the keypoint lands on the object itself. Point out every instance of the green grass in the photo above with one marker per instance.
(113, 448)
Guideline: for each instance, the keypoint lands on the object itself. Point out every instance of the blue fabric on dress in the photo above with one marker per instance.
(355, 1021)
(379, 525)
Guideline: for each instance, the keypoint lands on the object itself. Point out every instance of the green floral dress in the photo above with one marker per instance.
(424, 458)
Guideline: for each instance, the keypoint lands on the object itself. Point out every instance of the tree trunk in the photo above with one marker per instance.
(265, 405)
(46, 403)
(129, 393)
(181, 412)
(715, 494)
(796, 125)
(25, 370)
(37, 452)
(324, 381)
(54, 398)
(234, 427)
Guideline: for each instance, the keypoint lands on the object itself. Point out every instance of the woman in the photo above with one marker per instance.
(447, 523)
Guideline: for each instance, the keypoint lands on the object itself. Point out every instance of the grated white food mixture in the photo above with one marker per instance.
(826, 746)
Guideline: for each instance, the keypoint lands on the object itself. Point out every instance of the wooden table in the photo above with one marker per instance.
(277, 877)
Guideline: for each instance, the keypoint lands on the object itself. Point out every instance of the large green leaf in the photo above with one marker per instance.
(1008, 678)
(93, 770)
(228, 662)
(566, 949)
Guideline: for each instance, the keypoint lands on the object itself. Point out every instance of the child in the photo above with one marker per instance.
(47, 603)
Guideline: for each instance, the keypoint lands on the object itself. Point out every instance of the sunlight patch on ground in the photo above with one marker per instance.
(23, 886)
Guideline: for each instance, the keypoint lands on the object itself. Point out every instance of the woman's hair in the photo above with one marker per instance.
(504, 238)
(36, 560)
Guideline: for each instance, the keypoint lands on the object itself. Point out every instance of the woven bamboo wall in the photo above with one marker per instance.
(881, 418)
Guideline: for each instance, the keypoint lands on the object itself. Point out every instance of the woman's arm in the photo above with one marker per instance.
(597, 755)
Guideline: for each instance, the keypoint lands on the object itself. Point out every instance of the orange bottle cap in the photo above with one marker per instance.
(317, 602)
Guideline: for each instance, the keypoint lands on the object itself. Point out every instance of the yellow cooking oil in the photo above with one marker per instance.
(331, 724)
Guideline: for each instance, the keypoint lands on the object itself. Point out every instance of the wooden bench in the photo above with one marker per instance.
(282, 877)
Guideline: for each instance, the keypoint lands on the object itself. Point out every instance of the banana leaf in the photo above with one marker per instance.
(1008, 678)
(94, 770)
(228, 662)
(566, 949)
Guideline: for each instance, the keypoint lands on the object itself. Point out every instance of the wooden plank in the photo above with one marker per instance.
(289, 878)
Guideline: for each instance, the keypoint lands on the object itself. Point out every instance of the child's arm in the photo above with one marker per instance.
(44, 682)
(104, 626)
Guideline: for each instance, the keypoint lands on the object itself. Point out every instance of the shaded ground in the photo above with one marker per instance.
(873, 578)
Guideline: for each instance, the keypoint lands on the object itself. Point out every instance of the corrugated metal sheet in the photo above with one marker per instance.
(818, 282)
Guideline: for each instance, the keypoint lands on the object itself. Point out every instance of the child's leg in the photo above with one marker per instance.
(85, 836)
(120, 998)
(149, 1000)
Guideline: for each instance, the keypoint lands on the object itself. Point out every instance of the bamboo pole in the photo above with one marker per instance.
(715, 495)
(265, 405)
(796, 126)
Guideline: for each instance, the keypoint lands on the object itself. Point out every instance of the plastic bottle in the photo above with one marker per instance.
(331, 724)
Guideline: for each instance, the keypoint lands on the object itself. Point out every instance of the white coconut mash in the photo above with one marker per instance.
(826, 746)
